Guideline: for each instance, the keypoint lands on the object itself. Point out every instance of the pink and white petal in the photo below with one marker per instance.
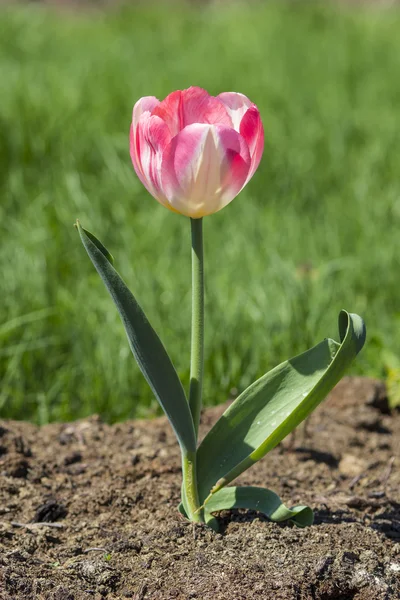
(204, 168)
(239, 164)
(157, 137)
(237, 105)
(169, 111)
(200, 107)
(252, 130)
(147, 103)
(148, 141)
(133, 147)
(194, 105)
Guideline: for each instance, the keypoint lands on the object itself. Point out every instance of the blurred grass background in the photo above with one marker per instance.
(316, 230)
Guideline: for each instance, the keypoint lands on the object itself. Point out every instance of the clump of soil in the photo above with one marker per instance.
(89, 511)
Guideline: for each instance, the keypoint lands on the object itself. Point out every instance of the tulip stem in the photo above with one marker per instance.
(194, 510)
(197, 347)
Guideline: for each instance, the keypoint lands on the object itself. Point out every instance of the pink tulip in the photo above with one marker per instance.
(194, 152)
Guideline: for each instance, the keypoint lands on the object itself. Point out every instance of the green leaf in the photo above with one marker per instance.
(97, 243)
(145, 344)
(273, 406)
(262, 500)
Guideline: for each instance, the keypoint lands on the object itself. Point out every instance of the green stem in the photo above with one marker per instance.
(192, 504)
(191, 497)
(197, 349)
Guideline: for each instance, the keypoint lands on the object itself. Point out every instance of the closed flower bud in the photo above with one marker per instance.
(194, 152)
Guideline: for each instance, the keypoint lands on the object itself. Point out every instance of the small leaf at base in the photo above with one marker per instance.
(261, 500)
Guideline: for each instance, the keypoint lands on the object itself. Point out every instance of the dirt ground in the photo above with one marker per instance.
(89, 511)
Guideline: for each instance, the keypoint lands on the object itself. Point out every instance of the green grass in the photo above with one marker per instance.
(315, 231)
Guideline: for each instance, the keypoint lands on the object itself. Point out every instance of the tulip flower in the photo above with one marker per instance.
(194, 152)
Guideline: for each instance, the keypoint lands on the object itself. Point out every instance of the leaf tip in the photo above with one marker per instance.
(354, 323)
(85, 234)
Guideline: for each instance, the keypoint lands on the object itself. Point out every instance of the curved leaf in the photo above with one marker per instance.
(145, 344)
(273, 406)
(262, 500)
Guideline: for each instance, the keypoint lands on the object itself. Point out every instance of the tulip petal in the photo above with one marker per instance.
(251, 129)
(200, 107)
(203, 168)
(246, 119)
(148, 103)
(134, 152)
(194, 105)
(147, 142)
(237, 105)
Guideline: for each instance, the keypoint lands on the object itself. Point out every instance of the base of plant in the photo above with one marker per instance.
(253, 498)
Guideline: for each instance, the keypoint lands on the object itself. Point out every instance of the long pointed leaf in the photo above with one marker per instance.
(262, 500)
(145, 344)
(273, 406)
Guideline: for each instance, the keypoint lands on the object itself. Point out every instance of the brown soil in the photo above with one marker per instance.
(89, 511)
